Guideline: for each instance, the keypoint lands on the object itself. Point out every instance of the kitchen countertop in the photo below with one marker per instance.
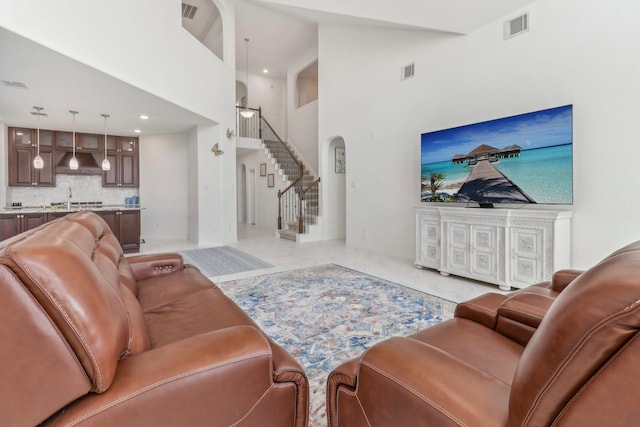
(35, 209)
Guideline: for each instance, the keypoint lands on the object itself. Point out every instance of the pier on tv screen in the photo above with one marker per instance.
(520, 159)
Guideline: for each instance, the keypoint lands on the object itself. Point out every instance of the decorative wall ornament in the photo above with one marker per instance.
(216, 149)
(270, 180)
(340, 160)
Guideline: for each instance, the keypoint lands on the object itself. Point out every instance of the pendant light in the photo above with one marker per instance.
(73, 163)
(106, 165)
(247, 113)
(38, 162)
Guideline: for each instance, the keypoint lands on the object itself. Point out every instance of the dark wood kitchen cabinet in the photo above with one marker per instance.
(125, 226)
(84, 141)
(12, 224)
(122, 153)
(22, 150)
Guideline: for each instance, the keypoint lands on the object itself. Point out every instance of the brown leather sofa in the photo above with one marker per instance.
(564, 353)
(91, 338)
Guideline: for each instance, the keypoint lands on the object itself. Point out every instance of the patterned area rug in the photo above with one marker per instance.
(222, 260)
(326, 315)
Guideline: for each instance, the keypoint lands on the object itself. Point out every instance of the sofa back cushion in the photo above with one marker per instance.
(591, 323)
(37, 365)
(72, 277)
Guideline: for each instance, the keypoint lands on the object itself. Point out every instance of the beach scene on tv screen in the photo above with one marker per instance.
(519, 159)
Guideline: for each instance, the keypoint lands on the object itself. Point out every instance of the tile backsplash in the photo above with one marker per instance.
(84, 188)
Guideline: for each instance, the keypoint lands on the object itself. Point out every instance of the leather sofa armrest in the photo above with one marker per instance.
(526, 308)
(146, 266)
(562, 278)
(520, 315)
(401, 380)
(219, 376)
(482, 309)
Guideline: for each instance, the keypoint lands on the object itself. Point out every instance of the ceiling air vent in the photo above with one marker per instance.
(188, 11)
(408, 71)
(516, 26)
(17, 85)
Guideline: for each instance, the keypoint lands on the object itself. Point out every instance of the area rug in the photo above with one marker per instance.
(222, 260)
(326, 315)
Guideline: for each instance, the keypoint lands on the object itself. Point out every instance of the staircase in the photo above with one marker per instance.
(299, 203)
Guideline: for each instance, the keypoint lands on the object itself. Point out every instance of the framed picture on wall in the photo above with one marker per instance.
(340, 160)
(270, 179)
(263, 169)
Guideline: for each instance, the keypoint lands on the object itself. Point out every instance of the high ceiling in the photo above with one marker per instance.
(280, 32)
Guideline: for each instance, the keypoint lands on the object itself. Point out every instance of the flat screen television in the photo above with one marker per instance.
(520, 159)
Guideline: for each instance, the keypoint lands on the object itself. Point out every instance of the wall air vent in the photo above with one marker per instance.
(516, 26)
(188, 11)
(17, 85)
(408, 71)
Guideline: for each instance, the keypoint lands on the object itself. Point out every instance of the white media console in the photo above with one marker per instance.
(512, 248)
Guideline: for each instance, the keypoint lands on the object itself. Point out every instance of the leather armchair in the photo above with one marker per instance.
(564, 353)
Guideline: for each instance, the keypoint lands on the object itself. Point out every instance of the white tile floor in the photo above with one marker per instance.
(286, 255)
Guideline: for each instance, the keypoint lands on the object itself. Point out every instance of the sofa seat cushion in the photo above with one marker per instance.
(160, 290)
(195, 313)
(468, 341)
(440, 390)
(444, 375)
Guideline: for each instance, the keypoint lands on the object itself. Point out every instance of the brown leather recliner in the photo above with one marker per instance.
(91, 338)
(566, 353)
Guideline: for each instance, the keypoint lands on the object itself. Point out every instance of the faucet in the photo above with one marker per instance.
(69, 196)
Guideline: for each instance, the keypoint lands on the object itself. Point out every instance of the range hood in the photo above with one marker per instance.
(87, 164)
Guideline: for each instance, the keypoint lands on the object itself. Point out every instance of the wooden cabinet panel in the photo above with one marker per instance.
(9, 226)
(88, 142)
(46, 176)
(129, 223)
(112, 221)
(125, 225)
(128, 169)
(123, 156)
(22, 150)
(13, 224)
(110, 177)
(21, 169)
(32, 220)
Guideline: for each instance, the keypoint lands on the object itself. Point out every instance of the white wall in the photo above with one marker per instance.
(303, 121)
(163, 191)
(333, 192)
(269, 94)
(266, 198)
(583, 53)
(124, 39)
(159, 56)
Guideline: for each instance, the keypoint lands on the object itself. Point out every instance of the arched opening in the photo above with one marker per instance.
(307, 85)
(336, 188)
(202, 19)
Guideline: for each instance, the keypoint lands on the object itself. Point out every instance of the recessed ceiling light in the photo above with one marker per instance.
(265, 71)
(137, 130)
(143, 117)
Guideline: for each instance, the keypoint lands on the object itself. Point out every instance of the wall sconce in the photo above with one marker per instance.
(230, 133)
(216, 150)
